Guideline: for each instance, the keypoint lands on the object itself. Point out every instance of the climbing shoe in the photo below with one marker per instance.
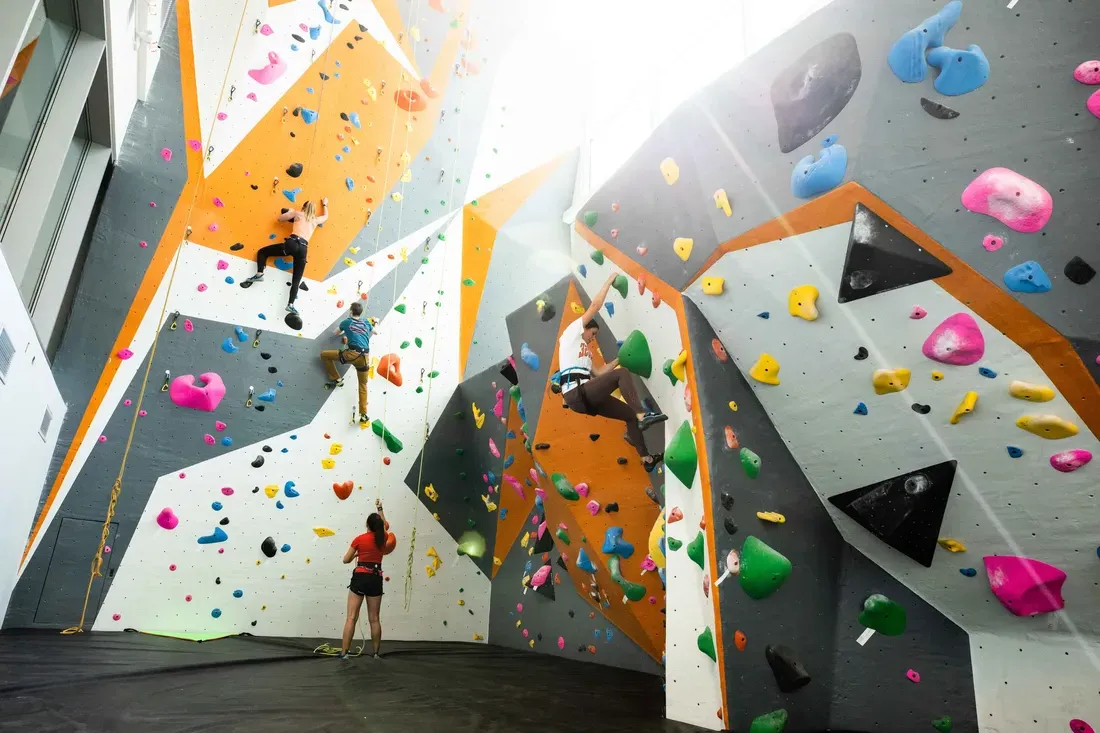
(334, 383)
(258, 277)
(650, 419)
(342, 655)
(652, 463)
(291, 309)
(363, 419)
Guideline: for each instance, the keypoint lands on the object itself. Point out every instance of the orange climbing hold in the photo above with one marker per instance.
(343, 491)
(719, 350)
(389, 367)
(410, 100)
(428, 89)
(739, 640)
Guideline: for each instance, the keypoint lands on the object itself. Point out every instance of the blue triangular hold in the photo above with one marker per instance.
(764, 314)
(861, 409)
(584, 563)
(291, 194)
(268, 396)
(218, 536)
(1015, 452)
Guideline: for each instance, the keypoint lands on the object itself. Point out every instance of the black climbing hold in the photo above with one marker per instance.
(937, 110)
(303, 287)
(922, 409)
(358, 38)
(789, 673)
(905, 511)
(256, 490)
(268, 547)
(272, 370)
(548, 312)
(538, 636)
(612, 507)
(254, 187)
(727, 501)
(351, 45)
(344, 116)
(811, 92)
(1079, 271)
(729, 525)
(294, 321)
(362, 28)
(259, 408)
(297, 38)
(283, 210)
(266, 449)
(542, 446)
(621, 461)
(264, 355)
(293, 135)
(253, 623)
(581, 649)
(509, 372)
(323, 75)
(258, 462)
(246, 284)
(593, 437)
(236, 247)
(546, 542)
(653, 495)
(296, 111)
(880, 258)
(217, 581)
(225, 521)
(861, 354)
(561, 563)
(571, 613)
(294, 170)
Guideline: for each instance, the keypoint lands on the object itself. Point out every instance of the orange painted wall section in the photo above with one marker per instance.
(508, 529)
(19, 67)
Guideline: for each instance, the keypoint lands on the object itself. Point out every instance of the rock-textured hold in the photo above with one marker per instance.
(696, 550)
(809, 94)
(968, 405)
(634, 355)
(1027, 277)
(1050, 427)
(765, 370)
(961, 70)
(906, 57)
(1030, 392)
(886, 381)
(883, 615)
(1070, 460)
(705, 642)
(1024, 586)
(789, 673)
(763, 569)
(957, 341)
(802, 302)
(681, 456)
(561, 483)
(773, 722)
(1016, 201)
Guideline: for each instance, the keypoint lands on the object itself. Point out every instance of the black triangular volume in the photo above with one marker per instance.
(905, 511)
(546, 542)
(880, 258)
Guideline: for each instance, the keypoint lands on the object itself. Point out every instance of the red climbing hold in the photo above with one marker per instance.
(389, 367)
(410, 100)
(343, 491)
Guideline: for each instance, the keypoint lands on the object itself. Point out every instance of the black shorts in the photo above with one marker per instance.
(366, 584)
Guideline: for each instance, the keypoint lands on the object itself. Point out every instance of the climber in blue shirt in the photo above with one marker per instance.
(356, 332)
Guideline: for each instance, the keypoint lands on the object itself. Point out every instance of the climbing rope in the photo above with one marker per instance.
(116, 489)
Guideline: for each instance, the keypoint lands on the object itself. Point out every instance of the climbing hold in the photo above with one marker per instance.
(861, 409)
(284, 548)
(681, 456)
(682, 246)
(765, 370)
(1025, 587)
(861, 353)
(1014, 452)
(802, 302)
(696, 549)
(632, 591)
(937, 110)
(389, 368)
(907, 56)
(167, 519)
(267, 396)
(393, 444)
(969, 402)
(614, 544)
(343, 491)
(886, 381)
(763, 570)
(1050, 427)
(1078, 271)
(789, 673)
(968, 572)
(713, 285)
(882, 615)
(913, 676)
(773, 517)
(530, 358)
(593, 507)
(584, 562)
(1088, 73)
(951, 545)
(937, 376)
(621, 284)
(811, 177)
(674, 544)
(634, 355)
(1017, 202)
(740, 641)
(289, 491)
(957, 341)
(705, 642)
(218, 535)
(1079, 726)
(881, 258)
(590, 218)
(1070, 460)
(773, 722)
(721, 201)
(678, 366)
(561, 483)
(1027, 277)
(731, 438)
(987, 372)
(992, 243)
(272, 490)
(943, 725)
(670, 171)
(961, 71)
(917, 313)
(269, 74)
(228, 346)
(750, 462)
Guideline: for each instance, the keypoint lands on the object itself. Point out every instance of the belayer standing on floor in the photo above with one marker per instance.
(303, 224)
(366, 579)
(590, 390)
(356, 332)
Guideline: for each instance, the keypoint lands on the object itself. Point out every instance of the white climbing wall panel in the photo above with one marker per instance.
(998, 505)
(693, 690)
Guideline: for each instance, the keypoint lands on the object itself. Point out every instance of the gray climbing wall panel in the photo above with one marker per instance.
(525, 325)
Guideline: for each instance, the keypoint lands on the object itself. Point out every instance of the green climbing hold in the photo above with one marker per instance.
(674, 544)
(459, 451)
(634, 355)
(392, 443)
(773, 722)
(633, 591)
(400, 307)
(418, 341)
(597, 256)
(943, 725)
(763, 569)
(667, 369)
(462, 475)
(590, 218)
(468, 282)
(883, 615)
(441, 237)
(750, 462)
(621, 284)
(419, 390)
(423, 260)
(404, 345)
(433, 374)
(514, 391)
(562, 535)
(474, 203)
(705, 641)
(564, 487)
(523, 429)
(471, 523)
(696, 549)
(680, 455)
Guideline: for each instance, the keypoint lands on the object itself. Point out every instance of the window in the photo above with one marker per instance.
(7, 353)
(44, 428)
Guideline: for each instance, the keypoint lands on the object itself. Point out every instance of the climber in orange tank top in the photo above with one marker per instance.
(366, 580)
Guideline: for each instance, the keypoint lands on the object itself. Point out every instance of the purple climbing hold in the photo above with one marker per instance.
(957, 341)
(1024, 586)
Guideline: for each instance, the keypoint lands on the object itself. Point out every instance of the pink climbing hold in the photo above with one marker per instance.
(222, 115)
(209, 439)
(221, 551)
(269, 74)
(648, 565)
(519, 608)
(1088, 72)
(653, 600)
(992, 243)
(917, 313)
(167, 519)
(516, 486)
(540, 492)
(534, 476)
(1070, 460)
(1079, 726)
(194, 145)
(183, 475)
(227, 491)
(116, 616)
(614, 233)
(103, 439)
(153, 204)
(1093, 103)
(561, 642)
(913, 675)
(127, 402)
(593, 507)
(542, 529)
(143, 244)
(172, 567)
(526, 633)
(498, 408)
(106, 549)
(303, 26)
(166, 153)
(218, 202)
(1025, 587)
(185, 393)
(219, 425)
(142, 413)
(493, 449)
(957, 341)
(251, 96)
(201, 288)
(187, 325)
(582, 489)
(124, 354)
(223, 265)
(266, 30)
(213, 226)
(1012, 199)
(187, 598)
(541, 576)
(706, 585)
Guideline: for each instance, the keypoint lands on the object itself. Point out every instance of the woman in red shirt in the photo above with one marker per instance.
(366, 579)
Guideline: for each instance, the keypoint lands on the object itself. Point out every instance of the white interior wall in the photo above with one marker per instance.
(122, 65)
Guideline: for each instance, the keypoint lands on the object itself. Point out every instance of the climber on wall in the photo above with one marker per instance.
(356, 332)
(303, 224)
(590, 390)
(366, 579)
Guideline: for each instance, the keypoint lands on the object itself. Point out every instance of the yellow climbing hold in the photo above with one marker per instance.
(1031, 392)
(733, 405)
(430, 571)
(1050, 427)
(969, 402)
(951, 545)
(405, 158)
(479, 637)
(937, 376)
(396, 196)
(766, 370)
(414, 31)
(682, 247)
(524, 540)
(531, 643)
(678, 366)
(479, 416)
(354, 250)
(577, 308)
(271, 490)
(713, 285)
(404, 255)
(773, 517)
(332, 290)
(461, 602)
(670, 171)
(435, 516)
(430, 492)
(722, 202)
(407, 176)
(890, 380)
(349, 261)
(323, 532)
(328, 463)
(490, 505)
(802, 302)
(335, 448)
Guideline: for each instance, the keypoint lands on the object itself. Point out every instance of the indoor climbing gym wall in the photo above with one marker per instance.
(879, 226)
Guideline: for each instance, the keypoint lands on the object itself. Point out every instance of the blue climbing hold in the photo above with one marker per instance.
(520, 409)
(315, 32)
(907, 56)
(261, 316)
(987, 372)
(764, 314)
(284, 264)
(961, 71)
(309, 90)
(238, 593)
(1027, 277)
(492, 477)
(503, 513)
(268, 396)
(608, 633)
(328, 15)
(538, 500)
(584, 563)
(353, 118)
(1015, 452)
(528, 567)
(582, 270)
(284, 450)
(279, 504)
(530, 358)
(279, 383)
(228, 346)
(614, 544)
(293, 437)
(509, 460)
(861, 409)
(610, 308)
(227, 441)
(346, 149)
(350, 183)
(219, 535)
(289, 490)
(242, 336)
(216, 506)
(968, 572)
(308, 116)
(812, 177)
(294, 47)
(285, 548)
(229, 280)
(339, 158)
(291, 195)
(216, 613)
